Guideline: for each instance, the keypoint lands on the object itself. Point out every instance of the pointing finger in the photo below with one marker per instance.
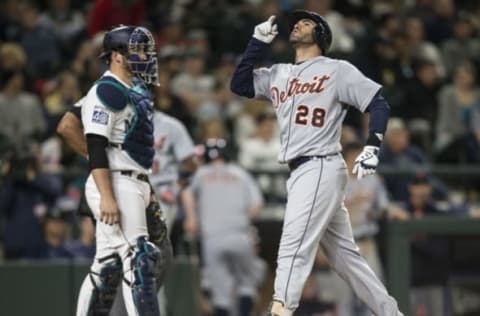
(271, 19)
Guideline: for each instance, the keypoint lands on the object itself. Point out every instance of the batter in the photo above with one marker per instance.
(311, 98)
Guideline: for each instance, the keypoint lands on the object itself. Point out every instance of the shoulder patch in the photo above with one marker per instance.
(112, 94)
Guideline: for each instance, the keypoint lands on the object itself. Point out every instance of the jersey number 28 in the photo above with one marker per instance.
(318, 116)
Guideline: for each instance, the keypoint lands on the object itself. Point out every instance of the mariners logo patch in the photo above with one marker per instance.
(99, 116)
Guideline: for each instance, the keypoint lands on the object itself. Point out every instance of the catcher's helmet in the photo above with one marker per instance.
(322, 34)
(214, 149)
(130, 41)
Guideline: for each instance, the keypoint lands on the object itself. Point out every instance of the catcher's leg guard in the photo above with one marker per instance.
(143, 285)
(105, 283)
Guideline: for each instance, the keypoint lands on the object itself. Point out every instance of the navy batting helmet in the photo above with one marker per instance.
(215, 148)
(322, 34)
(131, 41)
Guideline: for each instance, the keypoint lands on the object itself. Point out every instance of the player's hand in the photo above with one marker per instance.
(366, 163)
(109, 213)
(266, 31)
(190, 226)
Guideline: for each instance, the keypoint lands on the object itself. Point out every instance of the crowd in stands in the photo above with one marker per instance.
(425, 53)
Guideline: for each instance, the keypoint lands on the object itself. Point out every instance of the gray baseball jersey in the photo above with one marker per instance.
(224, 193)
(173, 144)
(311, 99)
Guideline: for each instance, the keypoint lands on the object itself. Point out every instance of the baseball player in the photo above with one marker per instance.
(225, 197)
(117, 122)
(173, 163)
(311, 98)
(71, 129)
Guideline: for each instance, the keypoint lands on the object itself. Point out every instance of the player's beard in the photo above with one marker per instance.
(298, 40)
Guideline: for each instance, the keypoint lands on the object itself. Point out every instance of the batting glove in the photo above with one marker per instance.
(266, 31)
(366, 163)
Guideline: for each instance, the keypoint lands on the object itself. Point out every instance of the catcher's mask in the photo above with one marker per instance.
(133, 42)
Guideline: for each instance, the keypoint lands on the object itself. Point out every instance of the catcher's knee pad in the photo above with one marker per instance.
(105, 284)
(144, 290)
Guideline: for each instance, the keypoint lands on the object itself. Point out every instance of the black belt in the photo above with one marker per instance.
(119, 146)
(139, 176)
(296, 162)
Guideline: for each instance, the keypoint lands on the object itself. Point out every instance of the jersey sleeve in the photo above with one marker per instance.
(353, 87)
(96, 118)
(261, 82)
(183, 143)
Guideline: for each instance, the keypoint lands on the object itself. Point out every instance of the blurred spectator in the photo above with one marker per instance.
(170, 60)
(396, 152)
(21, 120)
(458, 126)
(86, 65)
(55, 233)
(260, 152)
(12, 57)
(420, 48)
(9, 21)
(39, 42)
(64, 95)
(107, 14)
(192, 84)
(68, 23)
(169, 103)
(170, 33)
(84, 246)
(420, 198)
(25, 197)
(439, 25)
(421, 104)
(464, 45)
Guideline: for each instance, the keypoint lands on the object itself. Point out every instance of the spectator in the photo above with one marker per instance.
(25, 196)
(260, 152)
(107, 14)
(68, 23)
(39, 42)
(420, 198)
(464, 45)
(420, 48)
(84, 246)
(193, 85)
(9, 21)
(458, 128)
(65, 94)
(421, 104)
(398, 153)
(55, 229)
(169, 103)
(21, 120)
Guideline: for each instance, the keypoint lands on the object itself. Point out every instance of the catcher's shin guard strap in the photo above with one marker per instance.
(144, 288)
(105, 283)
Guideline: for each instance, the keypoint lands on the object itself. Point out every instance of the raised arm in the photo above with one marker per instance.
(243, 77)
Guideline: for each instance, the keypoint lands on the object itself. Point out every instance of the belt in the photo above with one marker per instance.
(296, 162)
(114, 145)
(139, 176)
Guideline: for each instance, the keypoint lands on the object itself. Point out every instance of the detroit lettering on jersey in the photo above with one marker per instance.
(311, 100)
(296, 86)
